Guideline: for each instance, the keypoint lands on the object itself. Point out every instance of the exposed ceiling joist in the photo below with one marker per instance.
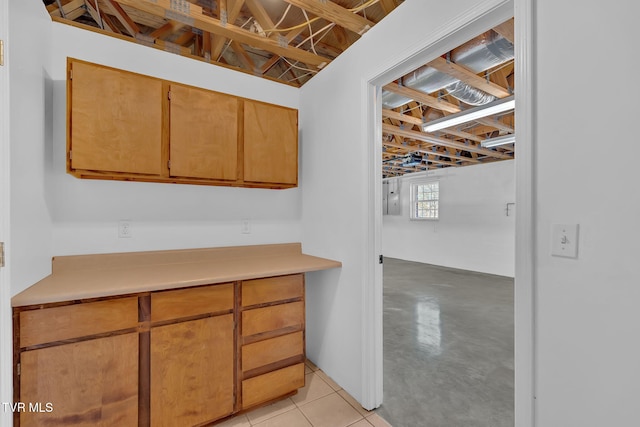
(468, 77)
(192, 15)
(333, 12)
(428, 100)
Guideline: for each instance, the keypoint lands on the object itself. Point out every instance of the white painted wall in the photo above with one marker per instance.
(588, 320)
(30, 99)
(473, 232)
(336, 176)
(163, 216)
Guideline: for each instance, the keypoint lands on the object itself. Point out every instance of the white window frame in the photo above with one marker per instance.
(432, 202)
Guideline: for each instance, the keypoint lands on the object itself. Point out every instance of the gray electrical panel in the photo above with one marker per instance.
(391, 197)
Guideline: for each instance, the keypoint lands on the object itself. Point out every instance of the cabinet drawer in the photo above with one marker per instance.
(262, 291)
(272, 318)
(263, 353)
(77, 320)
(272, 385)
(170, 305)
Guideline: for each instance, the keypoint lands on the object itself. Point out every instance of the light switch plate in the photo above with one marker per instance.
(564, 240)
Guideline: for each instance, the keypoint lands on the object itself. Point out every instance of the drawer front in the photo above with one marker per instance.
(169, 305)
(78, 320)
(269, 351)
(272, 385)
(272, 289)
(272, 318)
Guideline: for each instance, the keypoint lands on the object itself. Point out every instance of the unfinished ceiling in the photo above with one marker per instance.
(469, 79)
(284, 40)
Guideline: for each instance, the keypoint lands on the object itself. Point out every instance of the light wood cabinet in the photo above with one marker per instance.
(272, 338)
(76, 369)
(270, 143)
(115, 120)
(127, 126)
(203, 134)
(186, 356)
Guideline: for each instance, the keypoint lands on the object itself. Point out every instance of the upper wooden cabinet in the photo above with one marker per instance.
(115, 121)
(270, 143)
(203, 134)
(126, 126)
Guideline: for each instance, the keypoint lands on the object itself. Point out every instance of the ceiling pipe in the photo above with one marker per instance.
(479, 54)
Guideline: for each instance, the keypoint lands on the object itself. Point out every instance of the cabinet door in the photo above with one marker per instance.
(115, 120)
(89, 383)
(192, 371)
(270, 143)
(204, 134)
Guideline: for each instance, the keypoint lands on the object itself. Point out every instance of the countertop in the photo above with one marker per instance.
(79, 277)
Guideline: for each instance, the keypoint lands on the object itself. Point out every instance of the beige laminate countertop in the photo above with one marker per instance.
(93, 276)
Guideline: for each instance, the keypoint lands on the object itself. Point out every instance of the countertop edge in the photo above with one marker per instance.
(70, 285)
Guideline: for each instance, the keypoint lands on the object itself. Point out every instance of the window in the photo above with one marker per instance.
(424, 200)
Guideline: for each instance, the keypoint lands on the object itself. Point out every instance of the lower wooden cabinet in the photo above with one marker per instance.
(183, 357)
(192, 371)
(88, 383)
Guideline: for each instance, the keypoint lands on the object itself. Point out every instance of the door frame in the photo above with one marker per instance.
(6, 328)
(484, 16)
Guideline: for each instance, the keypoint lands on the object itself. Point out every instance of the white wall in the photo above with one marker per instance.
(29, 250)
(473, 232)
(588, 320)
(335, 178)
(163, 216)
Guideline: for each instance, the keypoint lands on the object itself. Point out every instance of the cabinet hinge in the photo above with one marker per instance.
(18, 370)
(1, 52)
(1, 254)
(169, 164)
(71, 74)
(70, 155)
(169, 95)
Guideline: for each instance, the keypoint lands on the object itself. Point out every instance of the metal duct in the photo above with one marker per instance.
(483, 52)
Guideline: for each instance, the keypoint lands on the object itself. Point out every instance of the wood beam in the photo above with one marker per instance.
(468, 77)
(333, 12)
(402, 117)
(121, 15)
(168, 28)
(67, 8)
(420, 136)
(388, 6)
(243, 56)
(422, 97)
(506, 30)
(497, 124)
(218, 42)
(192, 14)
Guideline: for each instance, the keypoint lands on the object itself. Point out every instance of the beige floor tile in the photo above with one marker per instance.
(377, 421)
(258, 415)
(314, 388)
(292, 418)
(361, 423)
(330, 411)
(334, 385)
(353, 402)
(237, 421)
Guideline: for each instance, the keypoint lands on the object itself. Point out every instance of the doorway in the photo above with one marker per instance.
(481, 18)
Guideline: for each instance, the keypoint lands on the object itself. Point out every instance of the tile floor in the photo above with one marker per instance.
(320, 403)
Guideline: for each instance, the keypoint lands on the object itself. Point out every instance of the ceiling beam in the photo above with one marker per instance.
(192, 14)
(494, 123)
(422, 97)
(468, 77)
(125, 20)
(420, 136)
(388, 6)
(506, 30)
(333, 12)
(230, 15)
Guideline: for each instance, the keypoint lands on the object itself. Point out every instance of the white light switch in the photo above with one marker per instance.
(564, 240)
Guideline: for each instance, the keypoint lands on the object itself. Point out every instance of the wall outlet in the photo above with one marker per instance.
(245, 226)
(124, 229)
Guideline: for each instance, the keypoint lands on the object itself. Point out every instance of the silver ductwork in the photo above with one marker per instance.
(480, 54)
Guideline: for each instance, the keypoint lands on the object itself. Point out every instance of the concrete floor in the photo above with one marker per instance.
(448, 347)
